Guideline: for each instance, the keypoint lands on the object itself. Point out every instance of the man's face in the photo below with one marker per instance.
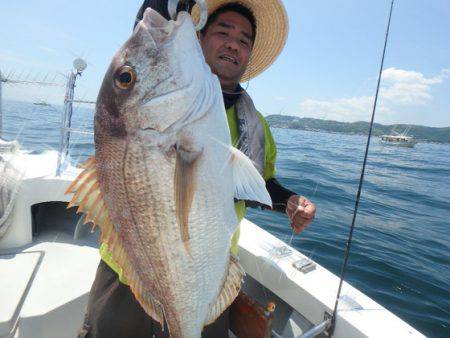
(227, 45)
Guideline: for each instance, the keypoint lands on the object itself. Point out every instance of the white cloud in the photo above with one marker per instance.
(399, 88)
(408, 87)
(347, 110)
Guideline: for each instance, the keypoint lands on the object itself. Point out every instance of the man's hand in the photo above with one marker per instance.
(300, 211)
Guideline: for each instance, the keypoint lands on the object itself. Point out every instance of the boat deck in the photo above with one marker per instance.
(46, 282)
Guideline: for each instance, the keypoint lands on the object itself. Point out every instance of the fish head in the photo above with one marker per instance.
(154, 81)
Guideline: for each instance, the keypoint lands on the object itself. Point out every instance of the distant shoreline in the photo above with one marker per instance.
(420, 133)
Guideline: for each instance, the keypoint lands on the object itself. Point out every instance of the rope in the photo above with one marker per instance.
(350, 236)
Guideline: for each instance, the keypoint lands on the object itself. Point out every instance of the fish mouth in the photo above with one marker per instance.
(160, 29)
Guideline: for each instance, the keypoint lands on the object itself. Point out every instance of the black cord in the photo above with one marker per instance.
(358, 195)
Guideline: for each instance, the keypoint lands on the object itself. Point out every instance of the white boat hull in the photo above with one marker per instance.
(48, 277)
(399, 144)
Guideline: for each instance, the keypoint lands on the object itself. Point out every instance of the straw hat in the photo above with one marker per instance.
(271, 31)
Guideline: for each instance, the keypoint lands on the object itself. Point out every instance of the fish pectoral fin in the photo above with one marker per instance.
(185, 185)
(229, 291)
(248, 183)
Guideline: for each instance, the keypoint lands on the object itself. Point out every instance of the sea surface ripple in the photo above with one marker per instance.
(400, 252)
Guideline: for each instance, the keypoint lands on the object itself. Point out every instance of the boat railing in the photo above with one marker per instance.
(66, 129)
(66, 117)
(318, 329)
(1, 112)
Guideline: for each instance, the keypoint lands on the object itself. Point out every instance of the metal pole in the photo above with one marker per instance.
(1, 111)
(69, 114)
(79, 66)
(318, 329)
(66, 121)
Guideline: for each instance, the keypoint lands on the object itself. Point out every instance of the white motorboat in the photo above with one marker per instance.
(398, 140)
(42, 103)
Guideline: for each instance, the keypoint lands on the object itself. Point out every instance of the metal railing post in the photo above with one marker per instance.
(79, 65)
(1, 98)
(66, 122)
(318, 329)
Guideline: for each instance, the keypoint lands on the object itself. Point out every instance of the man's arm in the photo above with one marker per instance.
(299, 209)
(278, 194)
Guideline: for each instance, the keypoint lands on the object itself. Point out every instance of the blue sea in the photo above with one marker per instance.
(400, 255)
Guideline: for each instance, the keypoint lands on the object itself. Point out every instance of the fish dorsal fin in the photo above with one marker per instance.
(89, 199)
(248, 183)
(229, 291)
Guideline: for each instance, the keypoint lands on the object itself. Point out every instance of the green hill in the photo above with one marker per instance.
(422, 133)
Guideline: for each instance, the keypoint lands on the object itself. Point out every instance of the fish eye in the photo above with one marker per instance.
(125, 77)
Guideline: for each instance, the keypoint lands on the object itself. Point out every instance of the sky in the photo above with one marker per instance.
(328, 68)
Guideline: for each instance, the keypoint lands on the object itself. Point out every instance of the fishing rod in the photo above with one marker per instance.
(358, 195)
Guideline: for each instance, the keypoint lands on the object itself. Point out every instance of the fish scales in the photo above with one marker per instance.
(167, 175)
(153, 210)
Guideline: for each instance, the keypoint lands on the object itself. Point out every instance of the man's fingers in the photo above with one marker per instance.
(301, 212)
(294, 210)
(307, 212)
(299, 228)
(302, 221)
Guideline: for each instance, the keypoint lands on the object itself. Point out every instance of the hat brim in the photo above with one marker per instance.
(271, 31)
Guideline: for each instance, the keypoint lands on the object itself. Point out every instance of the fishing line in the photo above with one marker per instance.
(350, 236)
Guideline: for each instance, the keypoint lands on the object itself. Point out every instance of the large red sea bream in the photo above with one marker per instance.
(162, 184)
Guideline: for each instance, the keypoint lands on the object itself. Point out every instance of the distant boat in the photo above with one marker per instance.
(42, 103)
(398, 140)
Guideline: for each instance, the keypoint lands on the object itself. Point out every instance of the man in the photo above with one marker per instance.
(234, 32)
